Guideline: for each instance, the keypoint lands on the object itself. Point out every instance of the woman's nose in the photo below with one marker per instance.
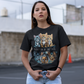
(40, 10)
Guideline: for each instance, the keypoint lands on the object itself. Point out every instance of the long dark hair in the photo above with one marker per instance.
(34, 22)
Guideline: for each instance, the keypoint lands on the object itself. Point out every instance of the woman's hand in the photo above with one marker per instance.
(35, 74)
(53, 74)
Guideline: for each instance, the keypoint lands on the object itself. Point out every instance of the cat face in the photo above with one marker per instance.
(43, 36)
(37, 38)
(50, 37)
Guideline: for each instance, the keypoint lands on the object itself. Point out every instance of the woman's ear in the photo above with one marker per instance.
(33, 15)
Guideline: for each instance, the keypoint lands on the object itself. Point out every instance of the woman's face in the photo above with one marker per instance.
(40, 12)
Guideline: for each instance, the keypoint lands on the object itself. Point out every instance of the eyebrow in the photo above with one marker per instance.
(42, 7)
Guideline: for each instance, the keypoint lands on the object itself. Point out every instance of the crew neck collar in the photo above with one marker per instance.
(44, 28)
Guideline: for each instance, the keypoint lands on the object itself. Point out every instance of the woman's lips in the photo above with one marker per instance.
(40, 15)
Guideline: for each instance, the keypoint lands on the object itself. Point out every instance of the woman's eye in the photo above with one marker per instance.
(36, 10)
(43, 9)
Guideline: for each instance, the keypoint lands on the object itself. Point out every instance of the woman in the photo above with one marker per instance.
(47, 40)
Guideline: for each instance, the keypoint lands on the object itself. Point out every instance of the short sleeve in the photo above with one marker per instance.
(63, 38)
(26, 44)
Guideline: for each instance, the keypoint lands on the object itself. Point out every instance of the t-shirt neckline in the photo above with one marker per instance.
(44, 28)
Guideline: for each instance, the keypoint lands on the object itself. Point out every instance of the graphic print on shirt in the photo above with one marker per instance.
(44, 49)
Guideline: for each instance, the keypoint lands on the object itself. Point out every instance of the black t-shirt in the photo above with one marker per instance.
(46, 44)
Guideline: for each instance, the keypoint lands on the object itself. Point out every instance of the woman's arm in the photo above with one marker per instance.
(54, 74)
(63, 57)
(25, 61)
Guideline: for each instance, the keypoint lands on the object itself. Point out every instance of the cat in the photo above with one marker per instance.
(43, 58)
(43, 39)
(49, 40)
(37, 40)
(37, 57)
(52, 56)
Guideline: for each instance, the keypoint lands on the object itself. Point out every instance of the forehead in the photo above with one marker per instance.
(40, 5)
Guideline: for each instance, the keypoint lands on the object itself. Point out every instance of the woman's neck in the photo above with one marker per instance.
(43, 25)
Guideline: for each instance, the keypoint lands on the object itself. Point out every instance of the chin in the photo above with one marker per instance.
(42, 20)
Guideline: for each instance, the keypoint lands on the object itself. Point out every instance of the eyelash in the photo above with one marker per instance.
(42, 9)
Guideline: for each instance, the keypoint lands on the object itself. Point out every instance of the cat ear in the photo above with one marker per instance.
(34, 36)
(52, 35)
(46, 33)
(41, 53)
(40, 34)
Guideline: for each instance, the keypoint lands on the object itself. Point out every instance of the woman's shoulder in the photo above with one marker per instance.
(58, 26)
(29, 31)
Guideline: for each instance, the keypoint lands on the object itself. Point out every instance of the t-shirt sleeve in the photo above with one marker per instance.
(26, 44)
(63, 38)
